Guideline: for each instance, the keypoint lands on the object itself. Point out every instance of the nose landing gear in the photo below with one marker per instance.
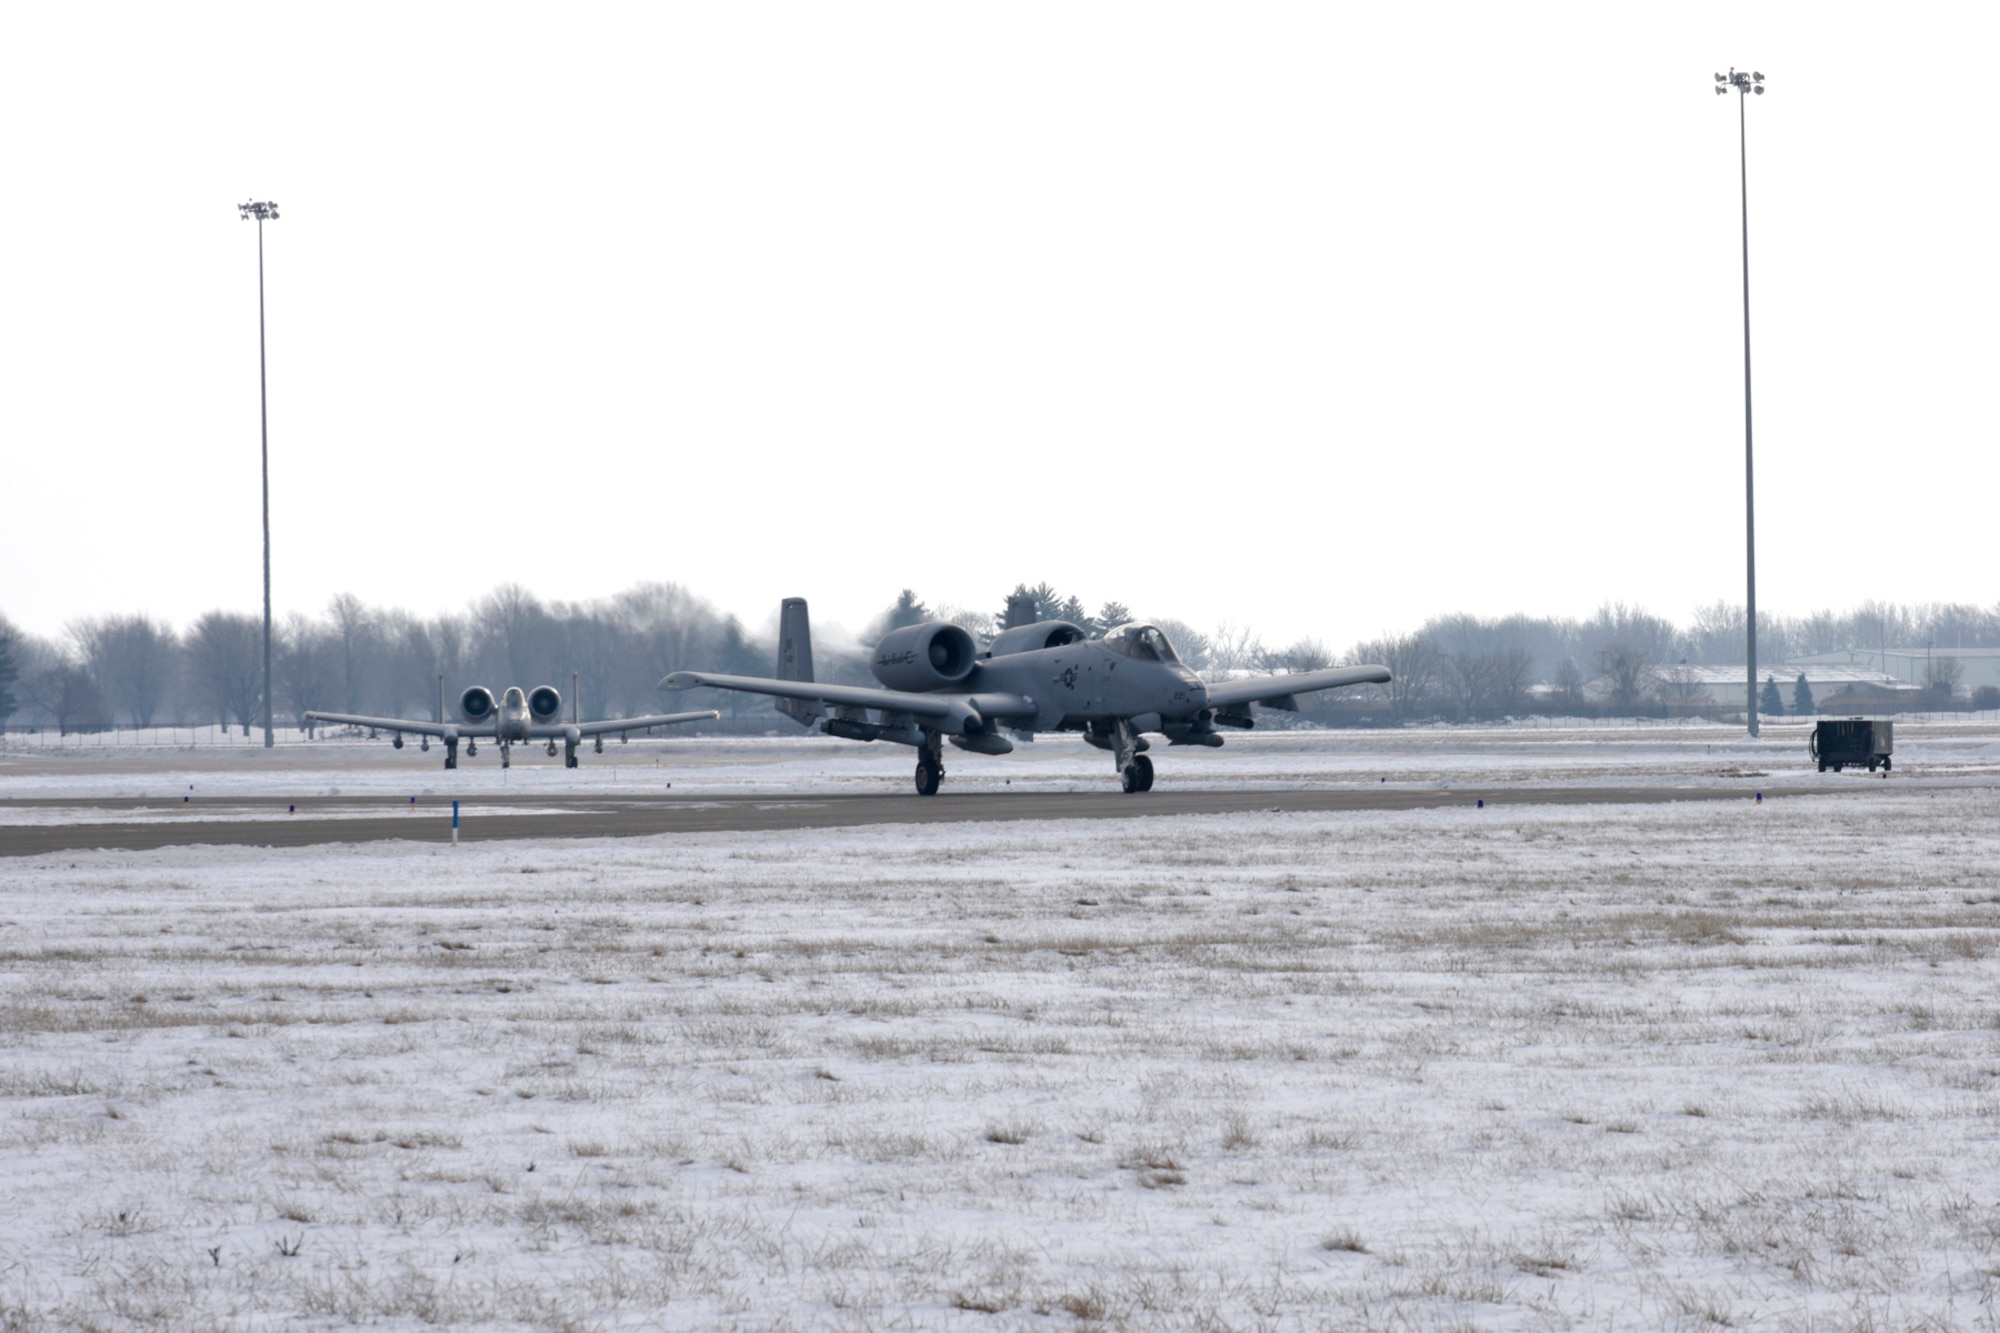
(1135, 769)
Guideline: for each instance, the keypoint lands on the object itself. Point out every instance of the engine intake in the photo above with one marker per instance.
(476, 704)
(931, 656)
(544, 703)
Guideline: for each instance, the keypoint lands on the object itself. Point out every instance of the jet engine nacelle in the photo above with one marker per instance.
(476, 704)
(1033, 638)
(544, 703)
(931, 656)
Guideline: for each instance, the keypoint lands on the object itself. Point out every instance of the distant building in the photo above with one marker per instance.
(1709, 686)
(1911, 666)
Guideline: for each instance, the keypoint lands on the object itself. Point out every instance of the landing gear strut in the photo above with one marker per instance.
(930, 764)
(569, 753)
(504, 760)
(1135, 770)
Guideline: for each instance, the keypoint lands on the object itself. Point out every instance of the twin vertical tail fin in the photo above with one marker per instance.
(795, 659)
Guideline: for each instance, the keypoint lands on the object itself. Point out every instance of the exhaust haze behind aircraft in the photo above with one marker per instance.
(1039, 676)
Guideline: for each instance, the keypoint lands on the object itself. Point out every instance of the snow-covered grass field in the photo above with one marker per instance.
(1701, 1065)
(1686, 753)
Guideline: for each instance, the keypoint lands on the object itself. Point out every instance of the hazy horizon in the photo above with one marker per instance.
(1322, 320)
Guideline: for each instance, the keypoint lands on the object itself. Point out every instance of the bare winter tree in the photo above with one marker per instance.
(1568, 685)
(225, 655)
(1509, 672)
(132, 659)
(1234, 648)
(1412, 660)
(353, 629)
(66, 693)
(516, 624)
(1942, 678)
(1682, 684)
(1307, 654)
(1464, 676)
(1627, 672)
(302, 668)
(1652, 637)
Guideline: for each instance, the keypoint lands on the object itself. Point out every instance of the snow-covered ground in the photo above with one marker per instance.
(1578, 755)
(1715, 1064)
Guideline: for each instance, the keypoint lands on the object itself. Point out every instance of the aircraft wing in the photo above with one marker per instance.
(1256, 689)
(617, 724)
(953, 708)
(404, 724)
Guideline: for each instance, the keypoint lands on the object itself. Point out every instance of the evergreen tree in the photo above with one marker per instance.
(907, 611)
(1802, 698)
(1769, 701)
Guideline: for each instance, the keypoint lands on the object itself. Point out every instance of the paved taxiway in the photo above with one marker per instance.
(260, 822)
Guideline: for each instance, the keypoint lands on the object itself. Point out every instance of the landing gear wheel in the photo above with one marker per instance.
(929, 774)
(569, 761)
(1885, 764)
(1136, 776)
(1145, 767)
(451, 761)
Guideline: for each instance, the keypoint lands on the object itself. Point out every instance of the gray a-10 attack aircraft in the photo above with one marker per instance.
(518, 716)
(1041, 676)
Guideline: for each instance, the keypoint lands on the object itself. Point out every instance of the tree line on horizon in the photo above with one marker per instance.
(137, 670)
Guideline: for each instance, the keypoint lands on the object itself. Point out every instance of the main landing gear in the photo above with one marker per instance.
(930, 764)
(451, 753)
(1137, 776)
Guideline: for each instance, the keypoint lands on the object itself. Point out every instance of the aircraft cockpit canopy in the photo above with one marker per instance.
(1143, 642)
(515, 699)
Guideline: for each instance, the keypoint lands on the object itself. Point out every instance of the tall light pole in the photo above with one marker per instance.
(261, 211)
(1746, 84)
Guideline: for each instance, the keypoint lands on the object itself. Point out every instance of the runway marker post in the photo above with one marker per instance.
(454, 823)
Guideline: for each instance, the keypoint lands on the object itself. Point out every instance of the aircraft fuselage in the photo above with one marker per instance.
(1086, 682)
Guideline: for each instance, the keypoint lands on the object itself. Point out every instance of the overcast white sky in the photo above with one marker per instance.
(1321, 317)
